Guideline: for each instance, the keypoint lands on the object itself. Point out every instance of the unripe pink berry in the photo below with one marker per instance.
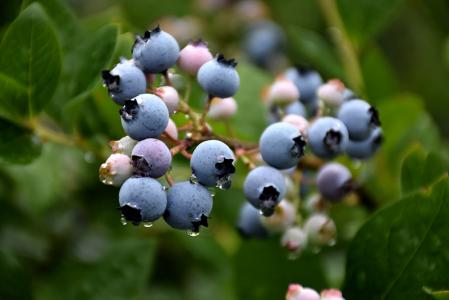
(298, 121)
(283, 218)
(320, 230)
(294, 240)
(170, 97)
(116, 169)
(193, 56)
(332, 92)
(331, 294)
(171, 129)
(282, 91)
(124, 146)
(222, 108)
(297, 292)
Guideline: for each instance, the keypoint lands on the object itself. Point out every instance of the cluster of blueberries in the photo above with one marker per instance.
(142, 156)
(298, 292)
(297, 102)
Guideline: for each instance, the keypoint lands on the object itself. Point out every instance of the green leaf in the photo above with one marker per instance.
(263, 271)
(308, 47)
(250, 119)
(30, 63)
(121, 273)
(365, 18)
(401, 249)
(420, 171)
(439, 295)
(92, 54)
(15, 278)
(18, 145)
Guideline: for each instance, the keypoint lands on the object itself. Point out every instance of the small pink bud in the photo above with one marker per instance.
(116, 169)
(171, 129)
(170, 97)
(332, 92)
(297, 292)
(298, 121)
(124, 146)
(294, 240)
(193, 56)
(331, 294)
(282, 91)
(283, 218)
(222, 108)
(320, 230)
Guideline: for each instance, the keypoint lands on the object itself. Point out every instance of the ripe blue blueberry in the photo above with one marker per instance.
(249, 222)
(219, 78)
(263, 43)
(188, 206)
(145, 116)
(142, 199)
(327, 137)
(151, 158)
(124, 81)
(296, 108)
(366, 148)
(264, 187)
(359, 117)
(334, 181)
(212, 164)
(155, 51)
(306, 80)
(281, 145)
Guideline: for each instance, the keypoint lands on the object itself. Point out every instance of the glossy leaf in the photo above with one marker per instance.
(30, 63)
(401, 249)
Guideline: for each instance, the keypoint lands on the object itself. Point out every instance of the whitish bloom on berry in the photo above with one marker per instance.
(332, 92)
(283, 91)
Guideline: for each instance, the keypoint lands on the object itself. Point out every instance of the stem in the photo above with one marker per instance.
(206, 110)
(341, 39)
(167, 78)
(169, 179)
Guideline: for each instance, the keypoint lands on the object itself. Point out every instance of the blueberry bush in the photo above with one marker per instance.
(221, 149)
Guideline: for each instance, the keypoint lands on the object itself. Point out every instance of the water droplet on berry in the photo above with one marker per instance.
(260, 212)
(193, 233)
(123, 220)
(147, 224)
(211, 191)
(105, 175)
(224, 183)
(193, 179)
(165, 188)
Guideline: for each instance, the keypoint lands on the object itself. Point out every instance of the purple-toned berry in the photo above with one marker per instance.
(334, 181)
(151, 158)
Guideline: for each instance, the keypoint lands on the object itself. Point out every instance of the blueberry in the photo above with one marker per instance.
(306, 80)
(193, 56)
(124, 81)
(332, 92)
(212, 164)
(116, 169)
(263, 43)
(282, 91)
(142, 199)
(264, 187)
(188, 206)
(327, 137)
(145, 116)
(360, 118)
(219, 78)
(249, 222)
(155, 51)
(296, 108)
(334, 181)
(151, 158)
(366, 148)
(281, 145)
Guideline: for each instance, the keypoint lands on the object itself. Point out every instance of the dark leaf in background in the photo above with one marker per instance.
(30, 63)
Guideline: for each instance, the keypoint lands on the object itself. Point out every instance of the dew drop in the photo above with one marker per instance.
(123, 220)
(260, 212)
(186, 116)
(165, 188)
(224, 183)
(193, 233)
(193, 179)
(147, 224)
(189, 135)
(211, 191)
(105, 175)
(175, 111)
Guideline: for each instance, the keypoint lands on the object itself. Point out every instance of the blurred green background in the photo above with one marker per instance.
(60, 232)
